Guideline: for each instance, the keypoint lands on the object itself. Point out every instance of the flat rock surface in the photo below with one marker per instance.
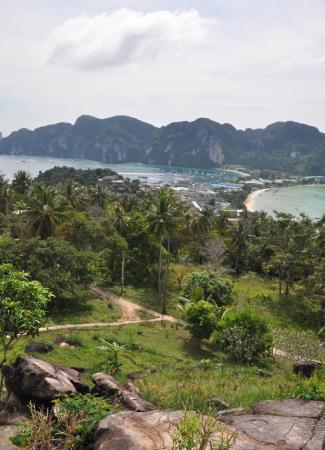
(272, 425)
(290, 408)
(5, 433)
(137, 431)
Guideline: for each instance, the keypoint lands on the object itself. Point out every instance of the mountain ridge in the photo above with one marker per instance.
(203, 143)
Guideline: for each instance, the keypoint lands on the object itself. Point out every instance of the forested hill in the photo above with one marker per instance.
(284, 146)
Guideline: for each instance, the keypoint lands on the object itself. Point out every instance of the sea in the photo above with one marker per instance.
(152, 175)
(293, 199)
(308, 199)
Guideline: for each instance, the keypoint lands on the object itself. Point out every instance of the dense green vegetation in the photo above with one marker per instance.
(244, 287)
(60, 175)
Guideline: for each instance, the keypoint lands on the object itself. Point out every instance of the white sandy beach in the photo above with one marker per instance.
(249, 201)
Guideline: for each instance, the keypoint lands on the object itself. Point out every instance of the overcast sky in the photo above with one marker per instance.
(246, 62)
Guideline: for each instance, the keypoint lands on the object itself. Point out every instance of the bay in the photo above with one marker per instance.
(308, 199)
(9, 164)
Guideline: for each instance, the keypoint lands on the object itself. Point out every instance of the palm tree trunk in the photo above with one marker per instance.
(159, 269)
(122, 273)
(166, 276)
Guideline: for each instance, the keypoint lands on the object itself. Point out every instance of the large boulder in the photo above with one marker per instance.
(5, 433)
(272, 425)
(306, 368)
(32, 379)
(284, 424)
(127, 395)
(39, 347)
(13, 412)
(137, 431)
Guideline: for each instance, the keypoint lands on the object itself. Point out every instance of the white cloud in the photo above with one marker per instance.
(124, 36)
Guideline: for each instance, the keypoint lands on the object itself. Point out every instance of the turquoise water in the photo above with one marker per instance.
(9, 164)
(292, 199)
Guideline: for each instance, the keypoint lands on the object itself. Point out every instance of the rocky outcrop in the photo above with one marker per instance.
(126, 395)
(281, 424)
(272, 425)
(32, 379)
(5, 433)
(38, 347)
(306, 368)
(13, 412)
(137, 431)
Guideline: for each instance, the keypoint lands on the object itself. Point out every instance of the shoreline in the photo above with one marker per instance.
(249, 200)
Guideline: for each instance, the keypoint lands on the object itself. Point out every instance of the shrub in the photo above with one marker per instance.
(212, 287)
(309, 390)
(201, 318)
(93, 407)
(70, 425)
(196, 431)
(245, 336)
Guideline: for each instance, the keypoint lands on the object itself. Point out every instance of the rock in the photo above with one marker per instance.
(294, 432)
(263, 373)
(38, 347)
(290, 408)
(318, 439)
(128, 396)
(13, 412)
(130, 387)
(233, 411)
(306, 368)
(80, 369)
(280, 424)
(218, 403)
(137, 431)
(106, 385)
(136, 374)
(32, 379)
(272, 430)
(5, 433)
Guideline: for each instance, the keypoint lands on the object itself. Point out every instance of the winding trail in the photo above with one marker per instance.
(131, 314)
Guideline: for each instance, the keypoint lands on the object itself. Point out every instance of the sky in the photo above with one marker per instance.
(245, 62)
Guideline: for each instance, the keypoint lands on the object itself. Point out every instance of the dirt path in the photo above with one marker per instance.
(131, 314)
(129, 310)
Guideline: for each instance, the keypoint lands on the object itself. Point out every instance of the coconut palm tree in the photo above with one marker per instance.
(74, 194)
(45, 210)
(162, 220)
(239, 246)
(22, 182)
(99, 196)
(5, 199)
(121, 221)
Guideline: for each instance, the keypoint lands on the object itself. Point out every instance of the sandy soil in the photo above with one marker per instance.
(249, 201)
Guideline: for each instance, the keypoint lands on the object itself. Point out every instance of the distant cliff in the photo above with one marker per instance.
(287, 146)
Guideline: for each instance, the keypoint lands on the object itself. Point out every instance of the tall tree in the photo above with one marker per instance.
(121, 221)
(162, 222)
(22, 182)
(45, 210)
(238, 246)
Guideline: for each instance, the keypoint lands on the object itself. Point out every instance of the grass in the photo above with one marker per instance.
(174, 354)
(92, 311)
(261, 294)
(160, 343)
(170, 349)
(294, 312)
(148, 296)
(239, 386)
